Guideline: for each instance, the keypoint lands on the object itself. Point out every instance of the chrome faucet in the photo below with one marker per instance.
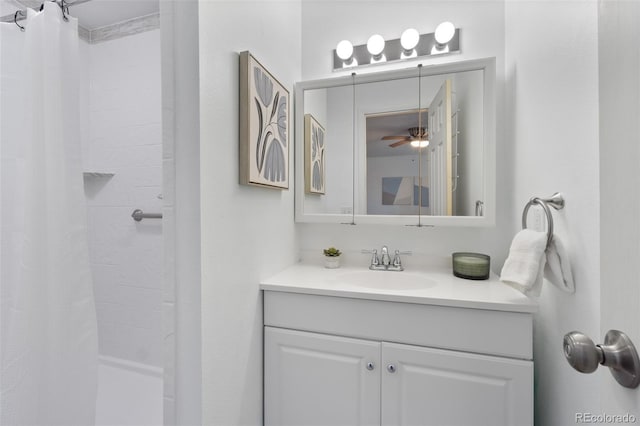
(385, 260)
(384, 263)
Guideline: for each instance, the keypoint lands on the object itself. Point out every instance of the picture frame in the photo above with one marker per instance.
(264, 126)
(314, 156)
(407, 190)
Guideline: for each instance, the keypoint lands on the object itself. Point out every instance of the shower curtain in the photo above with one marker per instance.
(49, 332)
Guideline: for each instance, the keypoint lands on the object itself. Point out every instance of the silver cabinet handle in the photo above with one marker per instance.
(617, 352)
(391, 368)
(370, 366)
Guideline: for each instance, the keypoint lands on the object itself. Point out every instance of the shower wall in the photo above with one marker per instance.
(123, 159)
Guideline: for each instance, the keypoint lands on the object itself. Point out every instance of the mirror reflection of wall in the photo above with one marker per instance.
(333, 109)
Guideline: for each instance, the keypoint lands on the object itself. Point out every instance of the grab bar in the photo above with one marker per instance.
(556, 201)
(138, 215)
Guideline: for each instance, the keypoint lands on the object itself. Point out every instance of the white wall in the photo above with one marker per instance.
(247, 232)
(124, 137)
(552, 122)
(324, 24)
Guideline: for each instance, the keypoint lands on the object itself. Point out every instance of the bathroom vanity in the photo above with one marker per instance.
(420, 347)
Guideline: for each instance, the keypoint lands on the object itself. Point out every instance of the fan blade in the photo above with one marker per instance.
(391, 138)
(393, 145)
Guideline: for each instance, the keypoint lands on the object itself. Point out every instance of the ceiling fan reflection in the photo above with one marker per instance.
(417, 137)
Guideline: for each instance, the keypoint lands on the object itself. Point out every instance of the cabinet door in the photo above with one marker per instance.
(317, 379)
(448, 388)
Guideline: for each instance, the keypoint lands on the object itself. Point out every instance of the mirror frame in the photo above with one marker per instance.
(487, 66)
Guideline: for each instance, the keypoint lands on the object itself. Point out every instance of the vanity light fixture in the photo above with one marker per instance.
(443, 35)
(411, 44)
(375, 46)
(344, 50)
(409, 40)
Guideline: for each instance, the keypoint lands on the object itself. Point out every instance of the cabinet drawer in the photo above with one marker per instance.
(507, 334)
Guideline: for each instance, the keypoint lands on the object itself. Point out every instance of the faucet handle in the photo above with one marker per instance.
(374, 258)
(396, 259)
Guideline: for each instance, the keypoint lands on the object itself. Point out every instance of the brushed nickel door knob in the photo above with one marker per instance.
(617, 352)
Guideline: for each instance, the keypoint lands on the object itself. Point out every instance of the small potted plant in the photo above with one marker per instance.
(332, 258)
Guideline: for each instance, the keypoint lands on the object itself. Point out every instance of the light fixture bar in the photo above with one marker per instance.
(393, 50)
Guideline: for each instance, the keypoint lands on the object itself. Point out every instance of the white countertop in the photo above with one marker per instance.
(440, 287)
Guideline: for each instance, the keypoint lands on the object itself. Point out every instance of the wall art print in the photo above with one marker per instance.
(314, 158)
(264, 126)
(398, 191)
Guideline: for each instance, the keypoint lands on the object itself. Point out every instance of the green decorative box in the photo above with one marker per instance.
(471, 266)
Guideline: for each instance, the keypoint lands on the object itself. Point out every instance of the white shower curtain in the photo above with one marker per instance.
(49, 332)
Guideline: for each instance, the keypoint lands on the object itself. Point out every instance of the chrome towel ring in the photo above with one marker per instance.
(17, 18)
(556, 201)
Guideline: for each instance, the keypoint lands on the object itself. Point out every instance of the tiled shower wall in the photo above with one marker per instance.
(122, 137)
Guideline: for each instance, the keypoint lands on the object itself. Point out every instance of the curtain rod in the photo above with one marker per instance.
(12, 17)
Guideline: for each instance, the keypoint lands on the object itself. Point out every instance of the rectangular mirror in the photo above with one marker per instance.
(411, 147)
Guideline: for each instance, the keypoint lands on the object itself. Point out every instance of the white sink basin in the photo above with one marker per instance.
(386, 280)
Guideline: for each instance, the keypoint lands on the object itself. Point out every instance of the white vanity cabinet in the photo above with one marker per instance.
(354, 361)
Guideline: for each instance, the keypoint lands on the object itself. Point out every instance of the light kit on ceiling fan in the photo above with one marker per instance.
(417, 137)
(420, 144)
(411, 44)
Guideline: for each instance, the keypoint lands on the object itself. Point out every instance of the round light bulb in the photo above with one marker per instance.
(409, 39)
(444, 32)
(344, 49)
(375, 44)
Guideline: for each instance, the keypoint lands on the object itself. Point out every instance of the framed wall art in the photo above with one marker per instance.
(264, 126)
(405, 191)
(314, 158)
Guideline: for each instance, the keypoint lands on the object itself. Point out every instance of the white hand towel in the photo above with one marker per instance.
(524, 266)
(558, 267)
